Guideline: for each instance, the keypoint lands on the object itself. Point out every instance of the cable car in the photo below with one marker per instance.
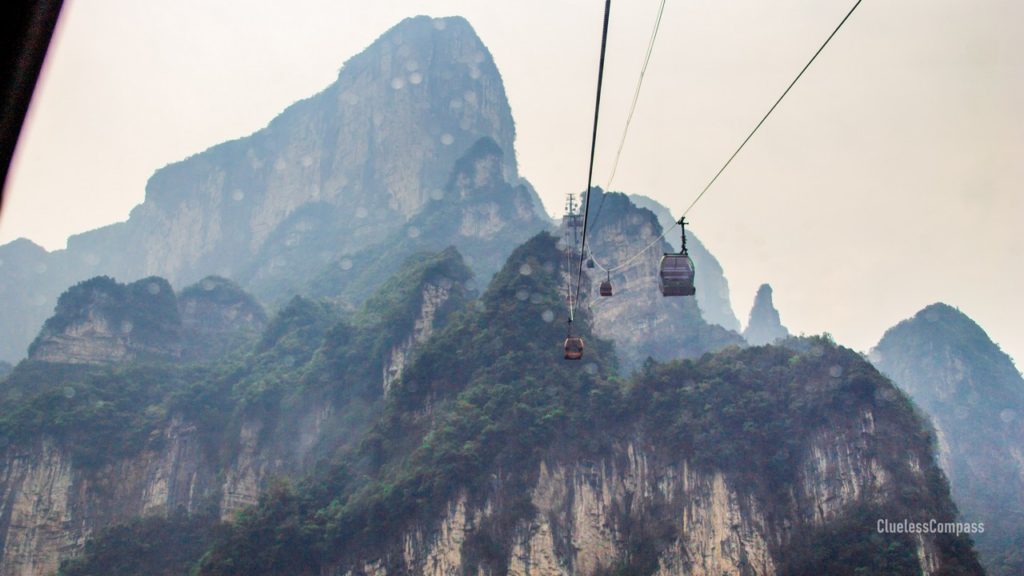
(676, 272)
(573, 348)
(590, 262)
(606, 286)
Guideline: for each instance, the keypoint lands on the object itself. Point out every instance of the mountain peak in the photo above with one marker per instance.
(764, 326)
(975, 397)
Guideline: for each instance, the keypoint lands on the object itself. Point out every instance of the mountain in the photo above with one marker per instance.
(332, 175)
(478, 211)
(975, 396)
(712, 286)
(100, 321)
(431, 431)
(86, 447)
(405, 407)
(641, 321)
(764, 326)
(491, 454)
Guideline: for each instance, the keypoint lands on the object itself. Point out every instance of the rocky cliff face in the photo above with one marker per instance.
(50, 507)
(637, 317)
(100, 321)
(478, 211)
(635, 507)
(587, 515)
(330, 176)
(975, 397)
(205, 455)
(217, 317)
(511, 460)
(712, 285)
(764, 325)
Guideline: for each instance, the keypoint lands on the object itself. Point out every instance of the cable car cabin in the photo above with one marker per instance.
(676, 275)
(573, 348)
(590, 262)
(606, 288)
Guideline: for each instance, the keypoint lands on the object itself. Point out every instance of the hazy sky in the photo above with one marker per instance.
(890, 178)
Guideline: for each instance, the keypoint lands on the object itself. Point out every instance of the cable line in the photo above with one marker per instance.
(738, 149)
(636, 95)
(632, 107)
(772, 109)
(593, 149)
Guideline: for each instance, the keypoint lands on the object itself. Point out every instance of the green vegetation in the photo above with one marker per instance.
(146, 311)
(154, 546)
(480, 404)
(975, 395)
(99, 414)
(501, 400)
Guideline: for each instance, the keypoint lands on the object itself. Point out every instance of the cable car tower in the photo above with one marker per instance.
(572, 224)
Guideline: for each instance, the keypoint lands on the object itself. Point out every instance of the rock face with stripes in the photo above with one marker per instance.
(331, 175)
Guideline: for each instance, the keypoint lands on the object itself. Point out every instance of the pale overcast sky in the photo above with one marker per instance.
(889, 179)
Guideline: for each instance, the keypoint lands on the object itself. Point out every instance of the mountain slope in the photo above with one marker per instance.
(330, 176)
(84, 448)
(493, 455)
(975, 396)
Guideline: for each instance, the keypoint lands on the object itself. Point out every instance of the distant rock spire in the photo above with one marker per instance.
(764, 326)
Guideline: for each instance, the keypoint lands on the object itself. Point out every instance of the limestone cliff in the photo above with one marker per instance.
(100, 321)
(508, 459)
(479, 212)
(636, 507)
(130, 440)
(217, 317)
(764, 325)
(330, 176)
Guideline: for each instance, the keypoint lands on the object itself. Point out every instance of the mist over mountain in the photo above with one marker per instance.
(975, 397)
(487, 453)
(330, 176)
(364, 374)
